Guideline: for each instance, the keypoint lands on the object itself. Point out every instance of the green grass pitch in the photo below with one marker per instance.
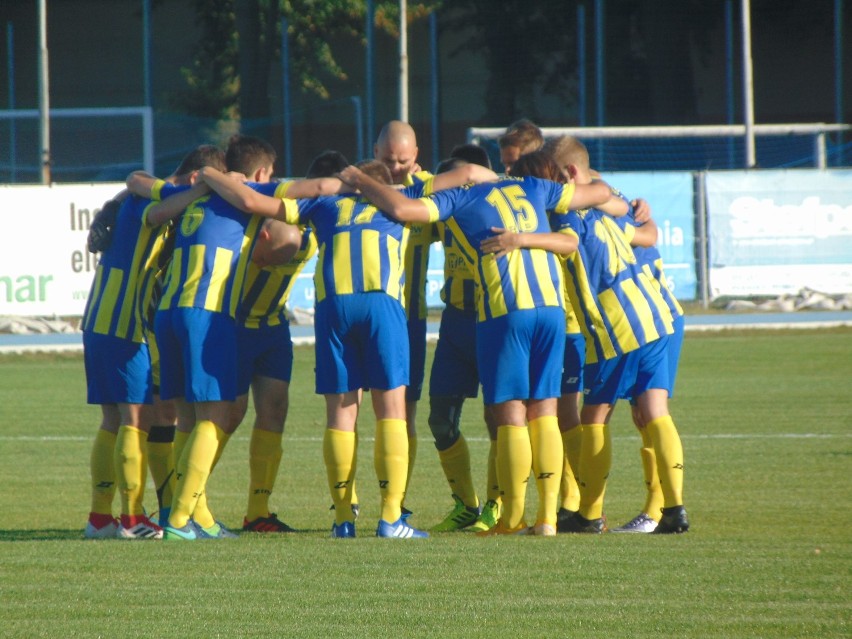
(765, 419)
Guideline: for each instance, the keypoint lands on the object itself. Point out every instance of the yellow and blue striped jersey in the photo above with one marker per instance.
(265, 293)
(651, 262)
(211, 255)
(524, 278)
(417, 251)
(360, 248)
(113, 307)
(618, 307)
(459, 288)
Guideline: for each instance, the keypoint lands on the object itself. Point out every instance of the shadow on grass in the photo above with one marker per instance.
(52, 534)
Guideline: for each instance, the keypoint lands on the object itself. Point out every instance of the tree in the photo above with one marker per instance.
(229, 75)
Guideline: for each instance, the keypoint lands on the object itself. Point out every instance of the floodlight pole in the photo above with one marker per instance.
(403, 61)
(748, 86)
(43, 93)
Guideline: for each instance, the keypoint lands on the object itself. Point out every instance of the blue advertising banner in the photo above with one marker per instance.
(671, 198)
(778, 232)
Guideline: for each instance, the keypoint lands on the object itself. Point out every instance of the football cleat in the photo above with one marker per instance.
(563, 519)
(500, 529)
(101, 527)
(267, 524)
(189, 532)
(579, 524)
(346, 530)
(405, 513)
(216, 531)
(641, 523)
(461, 516)
(138, 527)
(488, 518)
(399, 530)
(673, 521)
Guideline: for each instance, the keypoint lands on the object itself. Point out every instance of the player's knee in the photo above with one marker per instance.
(444, 418)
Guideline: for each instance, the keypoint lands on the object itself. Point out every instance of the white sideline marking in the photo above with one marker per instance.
(77, 438)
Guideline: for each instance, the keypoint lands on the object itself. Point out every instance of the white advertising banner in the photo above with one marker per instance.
(45, 269)
(777, 232)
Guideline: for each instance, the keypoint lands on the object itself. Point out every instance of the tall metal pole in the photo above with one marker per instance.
(43, 94)
(403, 61)
(146, 50)
(600, 89)
(838, 75)
(748, 86)
(13, 129)
(371, 102)
(581, 65)
(435, 87)
(729, 75)
(285, 83)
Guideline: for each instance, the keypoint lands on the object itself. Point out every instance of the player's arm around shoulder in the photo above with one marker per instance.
(233, 190)
(174, 205)
(467, 174)
(387, 199)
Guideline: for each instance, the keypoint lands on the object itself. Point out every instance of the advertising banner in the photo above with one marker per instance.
(670, 195)
(45, 269)
(778, 232)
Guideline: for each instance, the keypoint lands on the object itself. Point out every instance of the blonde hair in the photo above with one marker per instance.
(567, 150)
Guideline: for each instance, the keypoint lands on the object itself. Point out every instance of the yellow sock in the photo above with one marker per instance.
(653, 491)
(547, 461)
(595, 464)
(492, 491)
(179, 446)
(102, 468)
(514, 462)
(390, 458)
(570, 492)
(412, 457)
(338, 451)
(202, 514)
(264, 459)
(455, 461)
(130, 468)
(161, 463)
(669, 453)
(193, 469)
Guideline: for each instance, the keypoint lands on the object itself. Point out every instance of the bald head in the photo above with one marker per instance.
(396, 148)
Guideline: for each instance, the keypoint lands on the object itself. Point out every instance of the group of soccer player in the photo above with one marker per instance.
(552, 288)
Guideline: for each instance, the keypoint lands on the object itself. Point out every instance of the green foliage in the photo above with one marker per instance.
(229, 74)
(765, 423)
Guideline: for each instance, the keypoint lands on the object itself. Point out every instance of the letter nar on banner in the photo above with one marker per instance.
(45, 269)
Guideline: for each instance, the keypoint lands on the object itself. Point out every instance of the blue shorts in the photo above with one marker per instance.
(417, 359)
(572, 364)
(198, 355)
(675, 345)
(266, 351)
(628, 375)
(361, 342)
(118, 371)
(520, 354)
(454, 370)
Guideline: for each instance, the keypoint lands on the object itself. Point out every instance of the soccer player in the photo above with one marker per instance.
(521, 137)
(396, 148)
(264, 345)
(650, 261)
(626, 325)
(196, 333)
(520, 330)
(118, 362)
(455, 377)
